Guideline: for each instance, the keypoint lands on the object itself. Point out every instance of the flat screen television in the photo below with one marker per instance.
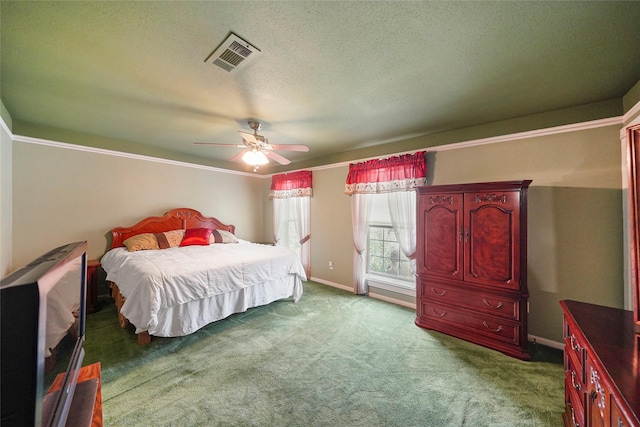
(42, 331)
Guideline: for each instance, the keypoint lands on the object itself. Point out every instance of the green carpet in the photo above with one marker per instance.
(332, 359)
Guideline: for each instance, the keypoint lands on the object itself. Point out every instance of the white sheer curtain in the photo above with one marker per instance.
(402, 210)
(291, 194)
(398, 176)
(301, 218)
(360, 214)
(280, 211)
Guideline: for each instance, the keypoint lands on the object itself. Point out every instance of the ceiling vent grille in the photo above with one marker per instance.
(233, 53)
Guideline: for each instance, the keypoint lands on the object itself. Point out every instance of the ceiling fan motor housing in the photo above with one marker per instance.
(255, 125)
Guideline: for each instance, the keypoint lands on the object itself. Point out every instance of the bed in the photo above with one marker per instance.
(181, 278)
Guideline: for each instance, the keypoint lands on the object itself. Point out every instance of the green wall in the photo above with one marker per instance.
(575, 216)
(63, 195)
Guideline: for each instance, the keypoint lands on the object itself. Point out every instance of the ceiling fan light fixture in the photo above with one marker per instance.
(255, 158)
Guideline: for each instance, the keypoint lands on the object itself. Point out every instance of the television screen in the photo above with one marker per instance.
(42, 332)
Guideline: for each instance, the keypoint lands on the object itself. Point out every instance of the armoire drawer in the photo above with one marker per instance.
(496, 305)
(495, 328)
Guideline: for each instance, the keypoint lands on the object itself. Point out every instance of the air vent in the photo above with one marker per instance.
(233, 53)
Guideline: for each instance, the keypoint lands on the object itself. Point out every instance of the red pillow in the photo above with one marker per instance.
(196, 236)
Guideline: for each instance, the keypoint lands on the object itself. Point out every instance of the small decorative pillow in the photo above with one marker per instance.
(147, 241)
(196, 236)
(174, 237)
(141, 242)
(222, 236)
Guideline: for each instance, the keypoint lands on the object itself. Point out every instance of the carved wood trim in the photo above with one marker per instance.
(175, 219)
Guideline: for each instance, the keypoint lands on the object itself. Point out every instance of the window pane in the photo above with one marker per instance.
(392, 250)
(390, 235)
(376, 233)
(377, 264)
(376, 248)
(385, 256)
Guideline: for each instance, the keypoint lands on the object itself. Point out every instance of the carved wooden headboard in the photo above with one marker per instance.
(175, 219)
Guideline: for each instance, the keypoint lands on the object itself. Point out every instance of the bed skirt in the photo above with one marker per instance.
(188, 317)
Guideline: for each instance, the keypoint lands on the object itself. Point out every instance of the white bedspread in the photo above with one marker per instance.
(154, 280)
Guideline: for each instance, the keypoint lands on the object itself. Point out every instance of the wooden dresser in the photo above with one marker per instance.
(601, 363)
(471, 260)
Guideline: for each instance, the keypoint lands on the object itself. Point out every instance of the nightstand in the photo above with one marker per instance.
(93, 267)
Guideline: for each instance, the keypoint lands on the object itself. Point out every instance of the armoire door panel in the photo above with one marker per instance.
(493, 239)
(442, 243)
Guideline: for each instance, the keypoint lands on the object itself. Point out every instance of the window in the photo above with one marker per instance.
(385, 256)
(387, 266)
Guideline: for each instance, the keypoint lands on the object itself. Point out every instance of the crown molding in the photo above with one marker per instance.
(575, 127)
(103, 151)
(593, 124)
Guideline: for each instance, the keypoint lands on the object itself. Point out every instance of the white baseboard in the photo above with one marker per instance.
(391, 300)
(532, 338)
(371, 294)
(332, 284)
(545, 341)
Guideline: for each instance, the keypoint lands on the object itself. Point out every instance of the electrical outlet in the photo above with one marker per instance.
(330, 265)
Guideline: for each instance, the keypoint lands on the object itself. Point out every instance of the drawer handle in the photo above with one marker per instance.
(438, 293)
(574, 345)
(484, 300)
(444, 312)
(599, 390)
(620, 423)
(573, 415)
(573, 381)
(491, 329)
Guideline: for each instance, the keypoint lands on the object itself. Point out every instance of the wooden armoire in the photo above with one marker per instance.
(472, 263)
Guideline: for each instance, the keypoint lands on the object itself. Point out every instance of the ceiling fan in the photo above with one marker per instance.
(257, 149)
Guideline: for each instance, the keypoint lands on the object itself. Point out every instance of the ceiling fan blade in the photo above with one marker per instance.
(277, 157)
(238, 156)
(290, 147)
(249, 137)
(219, 144)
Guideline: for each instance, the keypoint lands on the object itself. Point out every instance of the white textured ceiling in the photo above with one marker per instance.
(335, 76)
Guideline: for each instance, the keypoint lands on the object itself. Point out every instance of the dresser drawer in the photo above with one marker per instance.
(495, 328)
(574, 348)
(573, 416)
(617, 417)
(496, 305)
(574, 374)
(574, 402)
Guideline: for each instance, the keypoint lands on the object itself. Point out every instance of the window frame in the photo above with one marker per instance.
(398, 284)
